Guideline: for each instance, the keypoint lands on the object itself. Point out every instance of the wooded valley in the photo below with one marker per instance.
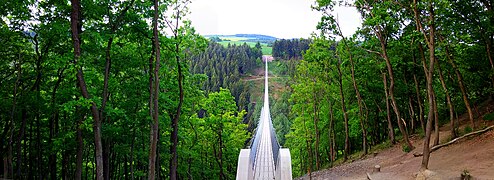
(113, 89)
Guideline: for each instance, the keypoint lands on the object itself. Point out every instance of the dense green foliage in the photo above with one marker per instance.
(336, 72)
(88, 86)
(224, 67)
(47, 125)
(290, 48)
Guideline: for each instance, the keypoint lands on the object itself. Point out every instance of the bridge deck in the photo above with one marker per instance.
(264, 164)
(262, 161)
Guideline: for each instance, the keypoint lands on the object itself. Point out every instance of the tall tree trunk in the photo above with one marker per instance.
(10, 165)
(315, 119)
(308, 149)
(106, 141)
(52, 159)
(154, 129)
(411, 112)
(331, 137)
(345, 114)
(460, 83)
(431, 43)
(412, 115)
(76, 25)
(65, 163)
(391, 133)
(448, 100)
(384, 54)
(357, 92)
(176, 117)
(393, 100)
(20, 139)
(37, 89)
(417, 91)
(436, 121)
(132, 155)
(80, 148)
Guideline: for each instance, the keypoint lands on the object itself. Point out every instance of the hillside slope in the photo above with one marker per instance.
(474, 154)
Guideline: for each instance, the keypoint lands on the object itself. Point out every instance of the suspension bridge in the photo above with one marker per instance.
(265, 160)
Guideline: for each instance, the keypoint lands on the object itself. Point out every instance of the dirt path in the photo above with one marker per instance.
(475, 154)
(255, 78)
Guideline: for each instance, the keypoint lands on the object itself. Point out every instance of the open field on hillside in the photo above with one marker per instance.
(266, 50)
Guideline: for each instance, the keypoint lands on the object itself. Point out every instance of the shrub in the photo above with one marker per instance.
(405, 148)
(467, 129)
(489, 117)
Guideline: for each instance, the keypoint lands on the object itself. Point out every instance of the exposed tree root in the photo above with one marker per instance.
(434, 148)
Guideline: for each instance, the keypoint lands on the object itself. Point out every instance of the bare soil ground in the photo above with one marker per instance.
(474, 154)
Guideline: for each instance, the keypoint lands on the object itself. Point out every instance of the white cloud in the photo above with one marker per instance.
(279, 18)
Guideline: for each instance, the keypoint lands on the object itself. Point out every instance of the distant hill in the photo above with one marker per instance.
(246, 38)
(257, 36)
(249, 39)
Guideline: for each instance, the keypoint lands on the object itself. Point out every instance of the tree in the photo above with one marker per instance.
(154, 95)
(76, 25)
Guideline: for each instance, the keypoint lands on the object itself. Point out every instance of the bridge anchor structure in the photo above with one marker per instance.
(266, 159)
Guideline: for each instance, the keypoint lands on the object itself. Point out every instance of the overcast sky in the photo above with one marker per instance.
(278, 18)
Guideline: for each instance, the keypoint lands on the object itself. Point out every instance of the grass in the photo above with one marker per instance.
(240, 41)
(266, 50)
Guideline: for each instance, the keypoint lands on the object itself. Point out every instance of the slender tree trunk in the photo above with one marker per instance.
(417, 91)
(65, 163)
(393, 100)
(106, 141)
(315, 119)
(357, 92)
(132, 156)
(436, 121)
(460, 83)
(491, 61)
(27, 171)
(331, 133)
(37, 89)
(308, 149)
(76, 25)
(431, 42)
(384, 54)
(176, 118)
(345, 114)
(391, 133)
(158, 157)
(154, 129)
(10, 165)
(80, 148)
(52, 160)
(20, 139)
(448, 100)
(412, 115)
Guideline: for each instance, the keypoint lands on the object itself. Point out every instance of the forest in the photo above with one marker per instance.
(411, 67)
(116, 89)
(290, 48)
